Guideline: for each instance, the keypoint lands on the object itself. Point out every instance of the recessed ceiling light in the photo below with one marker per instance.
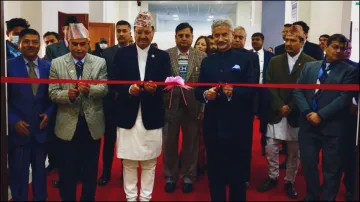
(211, 17)
(177, 19)
(175, 16)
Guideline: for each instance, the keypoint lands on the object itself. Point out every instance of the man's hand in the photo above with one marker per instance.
(211, 93)
(73, 93)
(284, 111)
(149, 87)
(313, 118)
(353, 109)
(200, 116)
(84, 88)
(227, 90)
(44, 121)
(135, 90)
(21, 128)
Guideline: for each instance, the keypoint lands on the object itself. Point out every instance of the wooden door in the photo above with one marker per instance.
(101, 30)
(82, 17)
(3, 133)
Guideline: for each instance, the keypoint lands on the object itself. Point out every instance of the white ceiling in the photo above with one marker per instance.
(191, 10)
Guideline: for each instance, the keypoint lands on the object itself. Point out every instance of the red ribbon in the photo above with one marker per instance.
(341, 87)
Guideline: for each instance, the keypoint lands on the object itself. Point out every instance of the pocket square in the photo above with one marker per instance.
(236, 68)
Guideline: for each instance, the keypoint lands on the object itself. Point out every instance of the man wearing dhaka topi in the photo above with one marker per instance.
(139, 108)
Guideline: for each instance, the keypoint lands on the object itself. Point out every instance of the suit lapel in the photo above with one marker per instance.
(71, 67)
(43, 75)
(335, 71)
(285, 63)
(87, 68)
(191, 63)
(24, 73)
(135, 63)
(174, 61)
(297, 64)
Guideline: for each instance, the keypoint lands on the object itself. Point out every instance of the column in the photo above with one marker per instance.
(273, 18)
(97, 11)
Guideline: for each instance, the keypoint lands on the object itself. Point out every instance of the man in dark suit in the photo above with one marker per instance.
(282, 113)
(123, 34)
(257, 42)
(228, 115)
(13, 28)
(311, 49)
(323, 119)
(139, 108)
(29, 111)
(350, 153)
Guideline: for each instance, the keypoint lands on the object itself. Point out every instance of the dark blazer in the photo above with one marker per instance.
(332, 104)
(23, 105)
(311, 49)
(126, 67)
(223, 118)
(278, 73)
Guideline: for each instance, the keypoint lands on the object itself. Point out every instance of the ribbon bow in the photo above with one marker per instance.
(176, 81)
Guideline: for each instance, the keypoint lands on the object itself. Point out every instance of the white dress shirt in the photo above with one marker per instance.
(261, 62)
(138, 143)
(292, 61)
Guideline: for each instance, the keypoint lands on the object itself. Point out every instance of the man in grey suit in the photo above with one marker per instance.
(123, 34)
(80, 117)
(185, 62)
(323, 119)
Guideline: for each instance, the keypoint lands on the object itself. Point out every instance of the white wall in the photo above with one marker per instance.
(355, 31)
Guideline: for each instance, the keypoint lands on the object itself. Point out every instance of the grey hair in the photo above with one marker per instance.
(222, 22)
(240, 28)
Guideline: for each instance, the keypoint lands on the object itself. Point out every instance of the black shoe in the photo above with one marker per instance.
(349, 196)
(104, 179)
(187, 188)
(269, 184)
(290, 191)
(170, 187)
(283, 165)
(56, 183)
(50, 168)
(247, 185)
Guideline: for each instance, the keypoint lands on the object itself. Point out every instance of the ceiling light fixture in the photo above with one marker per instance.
(177, 19)
(211, 17)
(175, 16)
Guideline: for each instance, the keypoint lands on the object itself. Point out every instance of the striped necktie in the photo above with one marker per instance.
(322, 75)
(79, 66)
(32, 74)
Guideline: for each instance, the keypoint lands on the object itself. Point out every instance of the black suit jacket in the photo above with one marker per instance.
(310, 49)
(223, 118)
(332, 104)
(56, 50)
(126, 67)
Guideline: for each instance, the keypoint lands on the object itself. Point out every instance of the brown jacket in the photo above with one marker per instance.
(278, 73)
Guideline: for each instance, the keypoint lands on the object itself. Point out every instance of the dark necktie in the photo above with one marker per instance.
(322, 75)
(32, 74)
(79, 66)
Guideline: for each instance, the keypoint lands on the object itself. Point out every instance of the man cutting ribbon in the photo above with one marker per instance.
(139, 111)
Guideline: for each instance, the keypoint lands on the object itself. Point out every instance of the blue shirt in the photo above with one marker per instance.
(36, 67)
(11, 50)
(76, 61)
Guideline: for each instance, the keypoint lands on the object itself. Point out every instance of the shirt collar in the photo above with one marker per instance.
(296, 57)
(36, 61)
(76, 60)
(146, 50)
(187, 52)
(261, 51)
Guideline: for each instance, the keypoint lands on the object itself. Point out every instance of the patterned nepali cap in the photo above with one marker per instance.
(143, 19)
(78, 31)
(297, 31)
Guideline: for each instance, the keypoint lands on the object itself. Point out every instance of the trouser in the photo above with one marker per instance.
(52, 144)
(130, 173)
(109, 142)
(180, 117)
(81, 153)
(272, 155)
(20, 158)
(226, 165)
(350, 156)
(311, 142)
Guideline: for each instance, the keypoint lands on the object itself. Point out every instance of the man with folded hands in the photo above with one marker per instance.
(227, 117)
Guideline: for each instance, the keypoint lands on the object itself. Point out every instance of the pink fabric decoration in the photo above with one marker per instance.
(176, 81)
